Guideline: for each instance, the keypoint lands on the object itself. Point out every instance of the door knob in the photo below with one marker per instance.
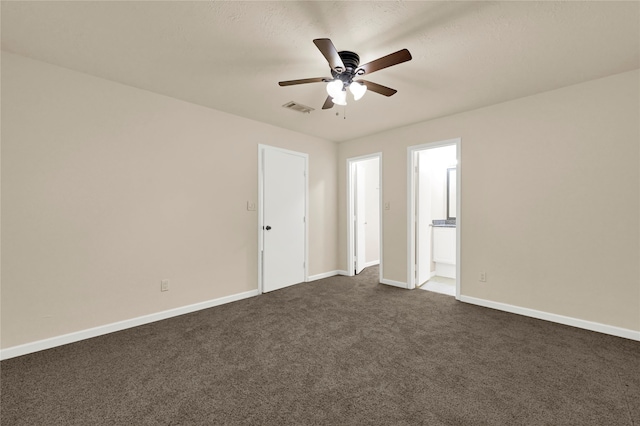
(267, 227)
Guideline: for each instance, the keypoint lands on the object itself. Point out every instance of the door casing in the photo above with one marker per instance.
(359, 204)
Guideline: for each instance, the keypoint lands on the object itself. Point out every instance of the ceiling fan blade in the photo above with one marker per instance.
(329, 51)
(328, 103)
(378, 88)
(386, 61)
(304, 81)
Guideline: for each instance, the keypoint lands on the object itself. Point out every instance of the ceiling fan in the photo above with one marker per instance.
(345, 66)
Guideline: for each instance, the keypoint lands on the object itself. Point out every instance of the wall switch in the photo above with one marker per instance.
(387, 205)
(483, 277)
(164, 285)
(251, 206)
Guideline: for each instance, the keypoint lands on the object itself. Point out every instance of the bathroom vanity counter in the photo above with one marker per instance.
(443, 223)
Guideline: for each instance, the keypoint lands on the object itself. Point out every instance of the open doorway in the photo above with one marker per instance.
(364, 218)
(433, 208)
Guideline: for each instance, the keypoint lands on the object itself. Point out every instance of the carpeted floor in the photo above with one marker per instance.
(340, 351)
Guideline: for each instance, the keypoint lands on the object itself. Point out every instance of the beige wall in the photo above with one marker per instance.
(107, 189)
(550, 199)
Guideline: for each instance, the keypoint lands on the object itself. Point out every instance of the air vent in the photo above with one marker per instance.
(298, 107)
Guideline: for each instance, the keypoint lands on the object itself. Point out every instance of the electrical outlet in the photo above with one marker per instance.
(483, 277)
(164, 285)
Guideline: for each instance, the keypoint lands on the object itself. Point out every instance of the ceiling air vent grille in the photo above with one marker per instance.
(298, 107)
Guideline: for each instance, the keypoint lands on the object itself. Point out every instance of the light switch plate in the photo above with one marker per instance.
(251, 206)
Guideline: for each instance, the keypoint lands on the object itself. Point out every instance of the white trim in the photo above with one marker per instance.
(260, 214)
(411, 187)
(393, 283)
(458, 216)
(350, 230)
(372, 263)
(306, 217)
(560, 319)
(77, 336)
(261, 149)
(327, 275)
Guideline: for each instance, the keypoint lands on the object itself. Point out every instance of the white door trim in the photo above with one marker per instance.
(261, 149)
(350, 211)
(360, 215)
(411, 209)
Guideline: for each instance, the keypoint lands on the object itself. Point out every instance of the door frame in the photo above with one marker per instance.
(261, 150)
(350, 211)
(411, 209)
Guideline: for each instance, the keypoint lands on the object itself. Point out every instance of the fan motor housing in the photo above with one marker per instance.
(351, 60)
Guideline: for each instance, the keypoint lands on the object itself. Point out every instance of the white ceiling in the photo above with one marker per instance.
(231, 55)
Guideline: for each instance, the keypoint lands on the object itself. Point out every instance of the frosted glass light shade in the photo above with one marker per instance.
(358, 90)
(341, 98)
(334, 88)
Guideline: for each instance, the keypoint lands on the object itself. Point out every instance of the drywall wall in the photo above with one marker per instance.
(107, 190)
(550, 199)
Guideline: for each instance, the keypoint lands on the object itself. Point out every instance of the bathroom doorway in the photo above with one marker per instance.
(433, 209)
(364, 224)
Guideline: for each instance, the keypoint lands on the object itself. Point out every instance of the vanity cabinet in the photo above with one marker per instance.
(444, 251)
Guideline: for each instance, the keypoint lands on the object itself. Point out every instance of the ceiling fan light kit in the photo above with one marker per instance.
(340, 98)
(358, 90)
(345, 66)
(334, 88)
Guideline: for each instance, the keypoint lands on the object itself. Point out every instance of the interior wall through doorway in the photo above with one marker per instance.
(364, 215)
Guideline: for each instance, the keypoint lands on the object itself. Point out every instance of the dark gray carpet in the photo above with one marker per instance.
(340, 351)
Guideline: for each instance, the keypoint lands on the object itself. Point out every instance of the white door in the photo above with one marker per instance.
(283, 210)
(360, 217)
(423, 218)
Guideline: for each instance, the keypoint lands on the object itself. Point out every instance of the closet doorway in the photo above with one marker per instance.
(364, 213)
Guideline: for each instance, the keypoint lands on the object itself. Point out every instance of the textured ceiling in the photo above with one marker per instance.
(231, 55)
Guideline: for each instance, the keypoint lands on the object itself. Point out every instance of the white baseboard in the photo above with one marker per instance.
(146, 319)
(326, 275)
(52, 342)
(393, 283)
(561, 319)
(372, 263)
